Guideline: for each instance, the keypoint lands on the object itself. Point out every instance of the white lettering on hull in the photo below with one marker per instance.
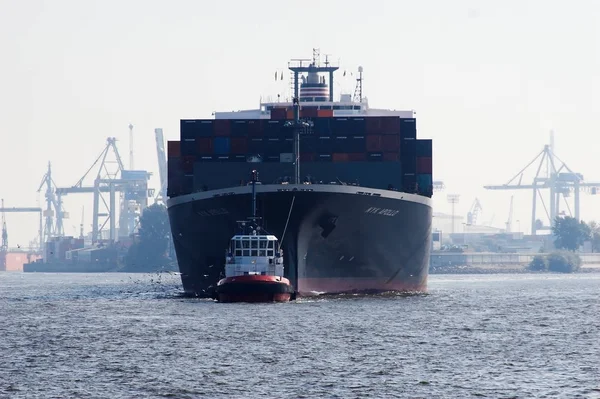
(213, 212)
(382, 211)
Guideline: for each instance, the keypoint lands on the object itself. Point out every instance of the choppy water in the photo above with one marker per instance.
(132, 336)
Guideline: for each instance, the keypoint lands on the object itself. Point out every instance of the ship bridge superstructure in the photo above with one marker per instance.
(312, 85)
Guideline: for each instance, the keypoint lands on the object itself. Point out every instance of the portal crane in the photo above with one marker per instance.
(473, 213)
(132, 185)
(53, 207)
(561, 181)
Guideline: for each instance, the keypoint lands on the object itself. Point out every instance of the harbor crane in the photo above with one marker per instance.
(131, 184)
(162, 165)
(473, 213)
(561, 182)
(4, 210)
(54, 208)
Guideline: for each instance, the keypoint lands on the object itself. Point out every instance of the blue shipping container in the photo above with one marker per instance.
(408, 148)
(239, 128)
(424, 148)
(408, 128)
(221, 145)
(409, 183)
(322, 127)
(425, 182)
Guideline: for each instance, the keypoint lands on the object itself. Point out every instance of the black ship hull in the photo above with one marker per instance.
(336, 238)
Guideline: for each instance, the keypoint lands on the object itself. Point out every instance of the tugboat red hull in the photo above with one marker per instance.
(254, 288)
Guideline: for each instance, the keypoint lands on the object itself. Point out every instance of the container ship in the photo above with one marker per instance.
(346, 188)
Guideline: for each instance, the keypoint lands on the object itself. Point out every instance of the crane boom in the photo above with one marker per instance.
(162, 163)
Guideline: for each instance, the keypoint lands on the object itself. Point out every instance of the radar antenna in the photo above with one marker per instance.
(358, 91)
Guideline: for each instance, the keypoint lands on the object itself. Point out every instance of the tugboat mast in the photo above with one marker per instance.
(254, 178)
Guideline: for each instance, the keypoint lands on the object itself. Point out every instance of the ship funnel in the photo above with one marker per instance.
(314, 88)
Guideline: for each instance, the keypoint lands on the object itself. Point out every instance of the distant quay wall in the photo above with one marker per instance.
(440, 259)
(492, 262)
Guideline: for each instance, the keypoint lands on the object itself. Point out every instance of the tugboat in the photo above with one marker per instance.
(254, 264)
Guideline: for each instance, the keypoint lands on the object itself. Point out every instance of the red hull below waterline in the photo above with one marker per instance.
(254, 289)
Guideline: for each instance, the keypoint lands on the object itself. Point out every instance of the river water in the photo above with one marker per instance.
(134, 336)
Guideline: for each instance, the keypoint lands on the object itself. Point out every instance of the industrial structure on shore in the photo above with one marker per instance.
(119, 194)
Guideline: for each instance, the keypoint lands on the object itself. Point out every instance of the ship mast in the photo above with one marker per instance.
(297, 129)
(298, 66)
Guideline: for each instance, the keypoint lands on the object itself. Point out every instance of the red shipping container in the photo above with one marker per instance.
(222, 127)
(308, 112)
(373, 125)
(239, 145)
(424, 165)
(307, 157)
(340, 157)
(390, 143)
(278, 113)
(187, 164)
(357, 157)
(255, 128)
(390, 125)
(373, 143)
(173, 149)
(204, 145)
(391, 156)
(290, 114)
(325, 113)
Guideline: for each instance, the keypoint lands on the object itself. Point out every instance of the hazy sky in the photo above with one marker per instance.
(488, 81)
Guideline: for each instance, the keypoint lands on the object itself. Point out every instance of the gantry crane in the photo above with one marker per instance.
(558, 178)
(4, 210)
(131, 184)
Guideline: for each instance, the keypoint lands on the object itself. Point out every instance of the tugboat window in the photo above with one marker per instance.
(254, 244)
(238, 252)
(254, 252)
(246, 244)
(262, 244)
(270, 253)
(262, 252)
(238, 244)
(246, 252)
(271, 244)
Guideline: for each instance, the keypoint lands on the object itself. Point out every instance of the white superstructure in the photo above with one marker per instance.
(314, 93)
(340, 108)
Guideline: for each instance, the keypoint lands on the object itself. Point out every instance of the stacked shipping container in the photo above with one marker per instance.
(340, 139)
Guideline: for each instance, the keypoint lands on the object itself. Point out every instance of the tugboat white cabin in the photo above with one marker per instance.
(254, 255)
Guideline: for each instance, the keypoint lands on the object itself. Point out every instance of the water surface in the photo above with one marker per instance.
(134, 336)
